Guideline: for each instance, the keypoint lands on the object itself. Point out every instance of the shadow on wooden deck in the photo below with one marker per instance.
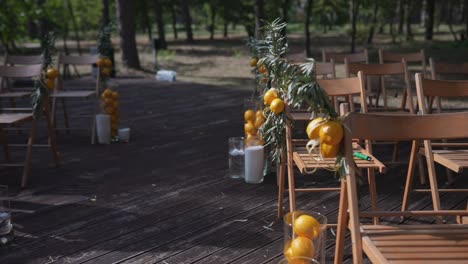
(163, 197)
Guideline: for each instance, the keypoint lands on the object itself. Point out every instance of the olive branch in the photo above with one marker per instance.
(296, 84)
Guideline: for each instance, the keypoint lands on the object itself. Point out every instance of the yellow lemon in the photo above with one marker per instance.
(249, 115)
(331, 132)
(253, 62)
(52, 73)
(277, 106)
(302, 247)
(313, 128)
(329, 151)
(50, 83)
(307, 226)
(269, 96)
(249, 128)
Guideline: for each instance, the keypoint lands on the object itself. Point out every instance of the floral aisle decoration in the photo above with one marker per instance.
(291, 85)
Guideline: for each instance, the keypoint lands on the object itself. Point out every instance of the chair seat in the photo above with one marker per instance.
(73, 94)
(416, 243)
(13, 118)
(307, 163)
(15, 94)
(454, 159)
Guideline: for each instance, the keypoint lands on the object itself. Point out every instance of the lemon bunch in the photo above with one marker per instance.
(105, 64)
(253, 121)
(306, 229)
(272, 100)
(110, 103)
(51, 76)
(329, 133)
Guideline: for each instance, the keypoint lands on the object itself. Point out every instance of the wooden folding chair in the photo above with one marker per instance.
(16, 60)
(436, 243)
(413, 57)
(382, 70)
(361, 57)
(62, 94)
(8, 119)
(306, 163)
(453, 159)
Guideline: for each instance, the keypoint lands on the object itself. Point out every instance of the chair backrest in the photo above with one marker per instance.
(413, 57)
(23, 59)
(438, 88)
(325, 69)
(77, 60)
(340, 57)
(449, 69)
(74, 60)
(346, 87)
(382, 70)
(392, 128)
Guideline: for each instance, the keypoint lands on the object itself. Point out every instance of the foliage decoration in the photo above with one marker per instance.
(295, 84)
(41, 92)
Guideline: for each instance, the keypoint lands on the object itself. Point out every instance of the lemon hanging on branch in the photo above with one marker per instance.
(277, 106)
(331, 132)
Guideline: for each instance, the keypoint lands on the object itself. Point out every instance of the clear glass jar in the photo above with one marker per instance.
(305, 235)
(236, 158)
(298, 260)
(6, 226)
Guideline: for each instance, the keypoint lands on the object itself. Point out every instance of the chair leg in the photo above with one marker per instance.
(65, 115)
(52, 138)
(403, 100)
(373, 192)
(281, 182)
(93, 126)
(395, 151)
(4, 141)
(409, 177)
(53, 112)
(27, 161)
(432, 178)
(342, 224)
(291, 186)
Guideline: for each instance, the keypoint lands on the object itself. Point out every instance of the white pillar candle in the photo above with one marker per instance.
(254, 162)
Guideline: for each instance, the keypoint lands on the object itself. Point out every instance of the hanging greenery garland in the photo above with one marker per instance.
(295, 85)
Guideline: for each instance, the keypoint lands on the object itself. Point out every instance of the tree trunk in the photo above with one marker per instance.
(370, 37)
(450, 20)
(187, 19)
(465, 12)
(174, 19)
(146, 21)
(354, 9)
(259, 17)
(401, 16)
(307, 27)
(430, 4)
(409, 9)
(213, 20)
(158, 10)
(225, 27)
(75, 26)
(126, 19)
(105, 13)
(284, 10)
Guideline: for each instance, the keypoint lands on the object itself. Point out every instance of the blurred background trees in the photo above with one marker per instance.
(78, 21)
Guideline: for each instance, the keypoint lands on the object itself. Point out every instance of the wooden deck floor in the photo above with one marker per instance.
(163, 197)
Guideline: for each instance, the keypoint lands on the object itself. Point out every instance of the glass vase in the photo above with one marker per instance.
(305, 235)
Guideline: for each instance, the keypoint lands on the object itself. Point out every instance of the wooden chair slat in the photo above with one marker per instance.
(20, 71)
(14, 118)
(23, 59)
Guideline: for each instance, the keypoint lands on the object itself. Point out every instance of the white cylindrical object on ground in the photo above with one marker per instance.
(124, 134)
(254, 163)
(103, 128)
